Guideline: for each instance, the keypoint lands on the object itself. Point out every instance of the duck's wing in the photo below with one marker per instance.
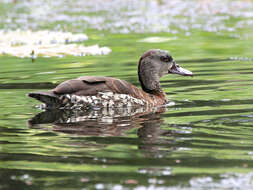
(91, 85)
(81, 86)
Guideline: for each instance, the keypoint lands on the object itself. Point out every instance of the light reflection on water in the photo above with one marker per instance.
(129, 16)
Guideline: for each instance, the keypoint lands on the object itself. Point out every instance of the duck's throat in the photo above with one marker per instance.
(150, 82)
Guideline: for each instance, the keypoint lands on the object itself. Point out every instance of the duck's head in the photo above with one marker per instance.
(153, 65)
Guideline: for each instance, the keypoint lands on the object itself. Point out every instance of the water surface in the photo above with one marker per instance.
(204, 141)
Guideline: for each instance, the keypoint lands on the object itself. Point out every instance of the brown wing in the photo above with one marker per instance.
(81, 87)
(91, 85)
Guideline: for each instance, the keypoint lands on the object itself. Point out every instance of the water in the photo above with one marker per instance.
(202, 141)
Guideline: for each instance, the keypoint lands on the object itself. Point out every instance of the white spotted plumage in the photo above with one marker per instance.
(103, 99)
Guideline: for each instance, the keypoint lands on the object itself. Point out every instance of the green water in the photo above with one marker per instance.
(204, 141)
(207, 133)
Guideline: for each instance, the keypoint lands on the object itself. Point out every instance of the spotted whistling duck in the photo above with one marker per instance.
(95, 91)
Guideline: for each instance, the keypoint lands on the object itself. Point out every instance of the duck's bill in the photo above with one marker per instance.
(176, 69)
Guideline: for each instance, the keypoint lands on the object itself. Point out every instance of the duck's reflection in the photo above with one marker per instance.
(106, 122)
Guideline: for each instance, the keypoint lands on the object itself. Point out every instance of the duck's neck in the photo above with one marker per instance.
(150, 83)
(149, 78)
(157, 94)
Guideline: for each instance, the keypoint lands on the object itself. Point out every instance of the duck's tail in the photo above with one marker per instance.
(51, 99)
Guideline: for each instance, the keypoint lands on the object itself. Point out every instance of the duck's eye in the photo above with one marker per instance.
(166, 58)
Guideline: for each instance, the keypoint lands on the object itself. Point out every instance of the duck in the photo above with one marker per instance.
(88, 92)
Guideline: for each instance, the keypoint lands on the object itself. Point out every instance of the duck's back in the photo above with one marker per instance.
(91, 85)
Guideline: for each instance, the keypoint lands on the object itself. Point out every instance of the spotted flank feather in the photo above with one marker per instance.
(102, 99)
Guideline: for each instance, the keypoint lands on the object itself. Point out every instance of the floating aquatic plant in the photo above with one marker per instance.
(46, 43)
